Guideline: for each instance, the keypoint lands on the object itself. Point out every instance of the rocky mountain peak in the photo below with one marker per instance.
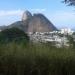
(26, 15)
(39, 23)
(34, 23)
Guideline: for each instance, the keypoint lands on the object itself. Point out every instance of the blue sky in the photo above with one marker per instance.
(58, 13)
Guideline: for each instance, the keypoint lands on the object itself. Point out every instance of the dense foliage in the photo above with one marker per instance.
(13, 34)
(36, 59)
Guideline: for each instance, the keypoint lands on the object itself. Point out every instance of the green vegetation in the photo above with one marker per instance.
(13, 34)
(34, 58)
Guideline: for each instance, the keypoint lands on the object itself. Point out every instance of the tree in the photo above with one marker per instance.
(70, 2)
(13, 34)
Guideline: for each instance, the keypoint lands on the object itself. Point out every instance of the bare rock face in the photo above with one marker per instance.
(39, 23)
(26, 15)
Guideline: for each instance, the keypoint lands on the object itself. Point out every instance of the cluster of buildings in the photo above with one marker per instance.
(57, 38)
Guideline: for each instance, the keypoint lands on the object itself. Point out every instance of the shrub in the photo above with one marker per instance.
(36, 59)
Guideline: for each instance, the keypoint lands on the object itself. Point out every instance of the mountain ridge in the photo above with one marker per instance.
(33, 23)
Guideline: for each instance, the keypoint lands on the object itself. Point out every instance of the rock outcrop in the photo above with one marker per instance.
(26, 16)
(39, 23)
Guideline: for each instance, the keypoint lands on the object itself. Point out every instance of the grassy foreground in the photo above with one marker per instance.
(36, 59)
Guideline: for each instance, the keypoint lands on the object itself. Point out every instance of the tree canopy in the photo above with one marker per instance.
(13, 34)
(70, 2)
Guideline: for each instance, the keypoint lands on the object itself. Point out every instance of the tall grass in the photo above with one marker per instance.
(36, 59)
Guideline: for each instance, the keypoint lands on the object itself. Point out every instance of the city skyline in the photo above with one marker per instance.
(57, 12)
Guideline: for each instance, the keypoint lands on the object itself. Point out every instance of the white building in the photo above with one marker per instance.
(50, 37)
(66, 31)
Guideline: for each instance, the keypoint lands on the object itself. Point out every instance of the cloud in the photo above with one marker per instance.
(63, 16)
(38, 10)
(10, 16)
(18, 12)
(10, 13)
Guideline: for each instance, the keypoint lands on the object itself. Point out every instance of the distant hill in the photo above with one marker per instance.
(3, 27)
(18, 24)
(33, 23)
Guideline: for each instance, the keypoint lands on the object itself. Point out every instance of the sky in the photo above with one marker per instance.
(61, 15)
